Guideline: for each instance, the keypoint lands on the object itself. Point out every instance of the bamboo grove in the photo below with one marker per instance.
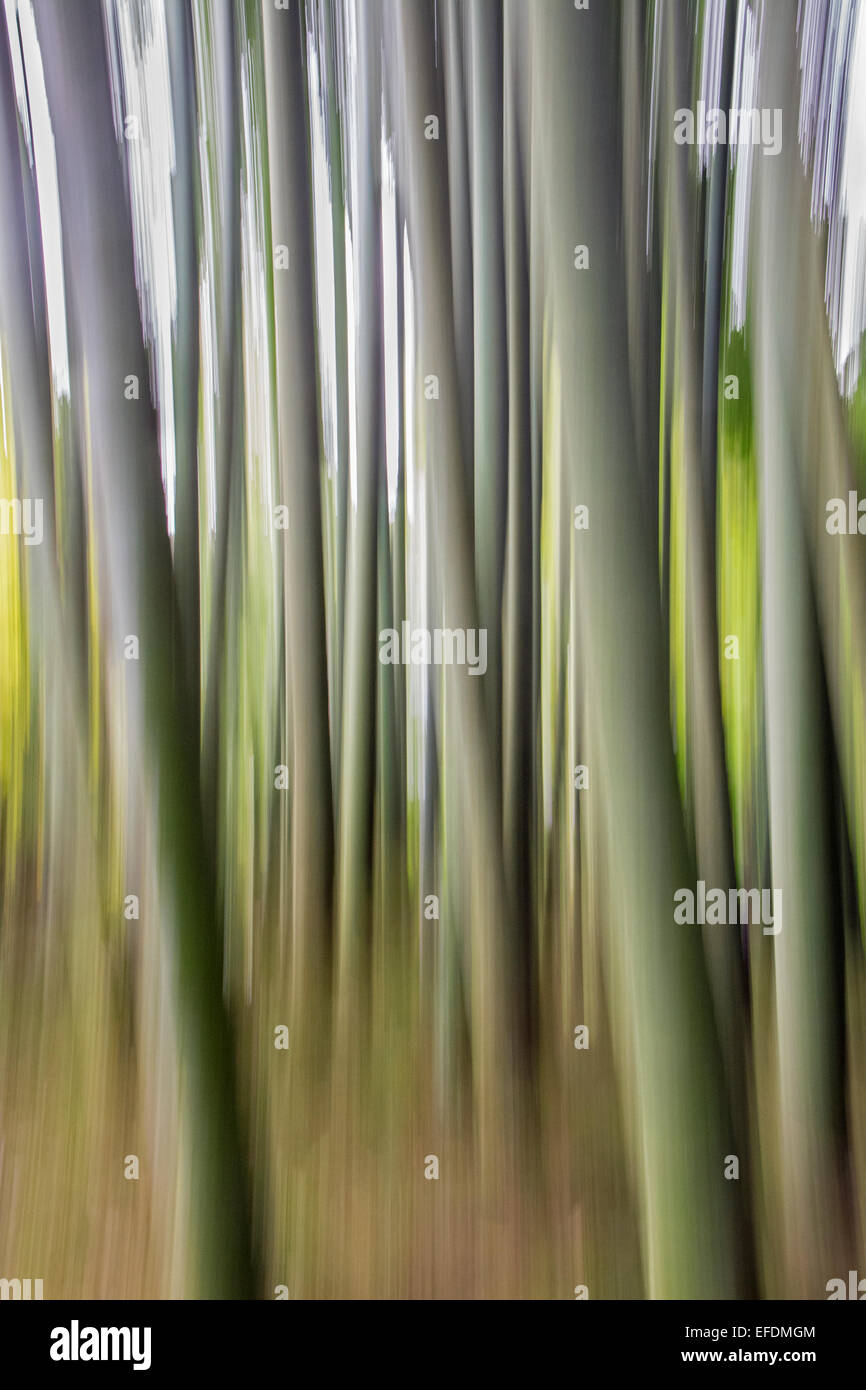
(328, 975)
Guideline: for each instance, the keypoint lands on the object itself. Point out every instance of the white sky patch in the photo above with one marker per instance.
(417, 686)
(256, 317)
(409, 373)
(143, 96)
(210, 380)
(210, 134)
(39, 139)
(351, 136)
(711, 65)
(351, 315)
(744, 93)
(852, 315)
(391, 325)
(825, 27)
(3, 401)
(832, 131)
(652, 143)
(323, 226)
(18, 74)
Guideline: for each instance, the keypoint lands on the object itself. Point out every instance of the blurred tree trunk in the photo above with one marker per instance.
(186, 355)
(135, 557)
(299, 469)
(363, 122)
(485, 90)
(466, 750)
(809, 998)
(676, 1085)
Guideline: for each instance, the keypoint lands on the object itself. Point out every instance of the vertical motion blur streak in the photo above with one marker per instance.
(432, 648)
